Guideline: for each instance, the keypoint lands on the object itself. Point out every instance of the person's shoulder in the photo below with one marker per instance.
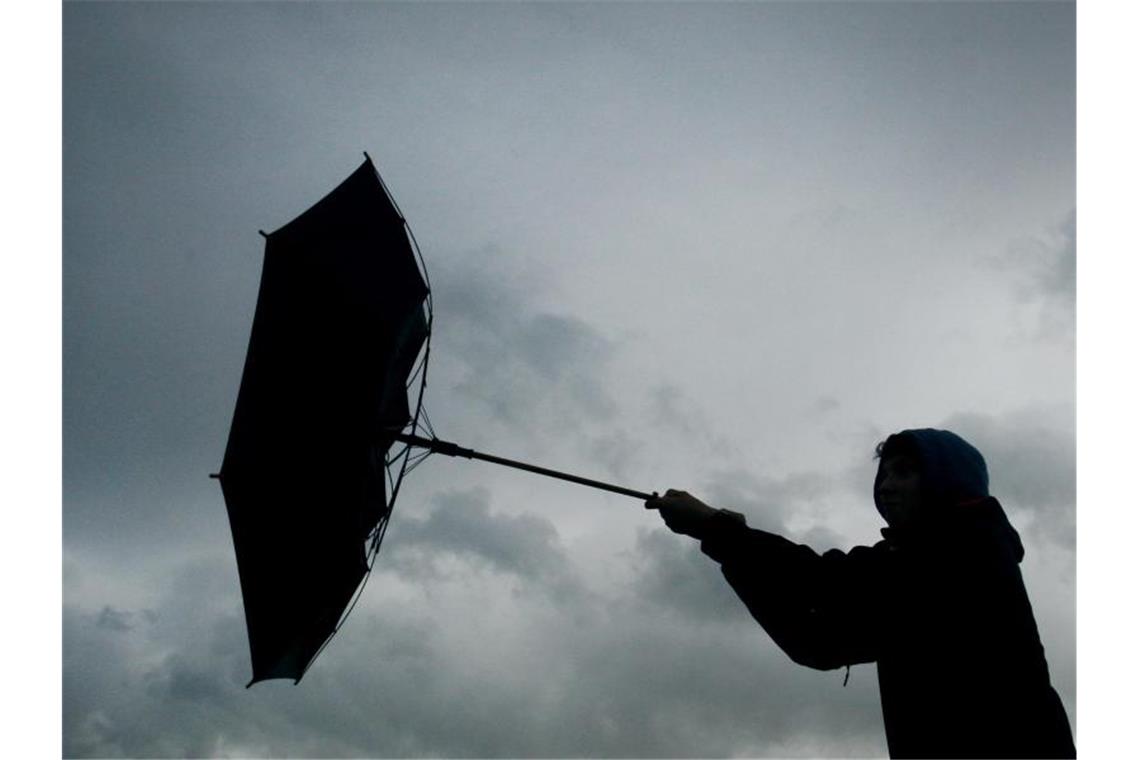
(876, 552)
(987, 529)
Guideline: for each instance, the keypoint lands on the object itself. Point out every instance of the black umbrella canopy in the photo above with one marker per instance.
(340, 321)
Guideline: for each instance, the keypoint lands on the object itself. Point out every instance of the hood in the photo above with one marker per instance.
(955, 486)
(952, 470)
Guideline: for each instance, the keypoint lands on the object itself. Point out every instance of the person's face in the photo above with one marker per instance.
(897, 496)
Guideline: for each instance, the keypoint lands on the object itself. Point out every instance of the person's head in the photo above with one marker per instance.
(925, 469)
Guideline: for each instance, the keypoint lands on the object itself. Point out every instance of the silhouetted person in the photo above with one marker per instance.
(938, 604)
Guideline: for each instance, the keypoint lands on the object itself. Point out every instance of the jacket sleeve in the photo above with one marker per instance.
(822, 610)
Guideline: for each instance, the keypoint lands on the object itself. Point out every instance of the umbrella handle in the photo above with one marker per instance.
(437, 446)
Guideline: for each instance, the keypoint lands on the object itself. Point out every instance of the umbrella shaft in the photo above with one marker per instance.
(450, 449)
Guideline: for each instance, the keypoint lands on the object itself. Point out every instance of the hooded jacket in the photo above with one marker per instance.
(941, 608)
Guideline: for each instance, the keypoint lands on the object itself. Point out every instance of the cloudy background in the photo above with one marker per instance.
(724, 248)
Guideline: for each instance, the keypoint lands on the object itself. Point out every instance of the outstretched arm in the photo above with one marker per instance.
(824, 611)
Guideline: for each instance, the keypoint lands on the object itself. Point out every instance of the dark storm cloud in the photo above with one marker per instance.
(112, 619)
(520, 362)
(179, 688)
(179, 663)
(160, 276)
(193, 682)
(637, 681)
(644, 677)
(673, 573)
(462, 524)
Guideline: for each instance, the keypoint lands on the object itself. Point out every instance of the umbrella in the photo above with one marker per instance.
(323, 431)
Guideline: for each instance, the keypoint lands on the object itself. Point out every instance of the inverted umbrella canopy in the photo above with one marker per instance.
(342, 315)
(341, 332)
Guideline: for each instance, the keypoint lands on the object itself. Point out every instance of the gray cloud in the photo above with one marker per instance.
(1031, 457)
(1058, 276)
(181, 662)
(416, 680)
(666, 665)
(825, 405)
(524, 365)
(617, 451)
(112, 619)
(1043, 274)
(461, 524)
(791, 505)
(671, 409)
(674, 574)
(650, 670)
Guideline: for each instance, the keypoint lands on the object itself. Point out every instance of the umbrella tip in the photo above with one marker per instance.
(263, 233)
(367, 156)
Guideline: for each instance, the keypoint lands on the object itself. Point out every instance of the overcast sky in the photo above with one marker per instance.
(725, 248)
